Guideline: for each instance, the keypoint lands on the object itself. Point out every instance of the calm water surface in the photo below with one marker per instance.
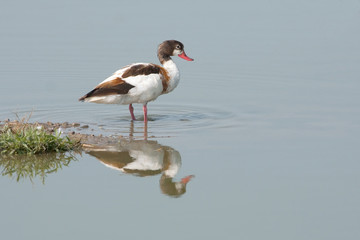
(259, 141)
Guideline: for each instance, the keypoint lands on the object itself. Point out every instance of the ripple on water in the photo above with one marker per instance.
(166, 119)
(110, 119)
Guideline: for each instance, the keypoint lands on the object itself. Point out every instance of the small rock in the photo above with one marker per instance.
(65, 125)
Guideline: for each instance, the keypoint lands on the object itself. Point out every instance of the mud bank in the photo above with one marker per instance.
(75, 131)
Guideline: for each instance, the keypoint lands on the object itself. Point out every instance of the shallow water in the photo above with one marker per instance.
(266, 119)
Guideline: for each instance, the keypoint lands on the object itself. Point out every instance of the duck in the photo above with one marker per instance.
(141, 82)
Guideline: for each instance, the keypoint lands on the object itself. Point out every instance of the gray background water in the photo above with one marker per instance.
(266, 117)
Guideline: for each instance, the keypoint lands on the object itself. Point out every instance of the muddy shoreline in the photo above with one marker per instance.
(71, 130)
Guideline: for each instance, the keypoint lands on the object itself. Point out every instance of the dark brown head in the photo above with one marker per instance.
(171, 48)
(171, 188)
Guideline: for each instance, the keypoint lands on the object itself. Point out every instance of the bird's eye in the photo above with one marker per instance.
(177, 46)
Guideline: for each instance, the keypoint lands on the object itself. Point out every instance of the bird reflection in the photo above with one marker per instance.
(144, 158)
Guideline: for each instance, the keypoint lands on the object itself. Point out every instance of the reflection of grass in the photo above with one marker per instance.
(31, 166)
(28, 139)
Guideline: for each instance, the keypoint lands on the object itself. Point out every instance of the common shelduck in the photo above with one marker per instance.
(141, 82)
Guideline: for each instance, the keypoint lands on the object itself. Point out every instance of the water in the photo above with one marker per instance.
(266, 118)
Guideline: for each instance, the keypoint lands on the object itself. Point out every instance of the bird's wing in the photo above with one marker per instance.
(126, 78)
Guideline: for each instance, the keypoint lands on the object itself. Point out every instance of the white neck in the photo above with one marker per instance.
(174, 75)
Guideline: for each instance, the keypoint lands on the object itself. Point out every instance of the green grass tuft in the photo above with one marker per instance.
(32, 140)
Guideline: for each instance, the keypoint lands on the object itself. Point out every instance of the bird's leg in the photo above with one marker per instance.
(145, 131)
(131, 133)
(132, 112)
(145, 112)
